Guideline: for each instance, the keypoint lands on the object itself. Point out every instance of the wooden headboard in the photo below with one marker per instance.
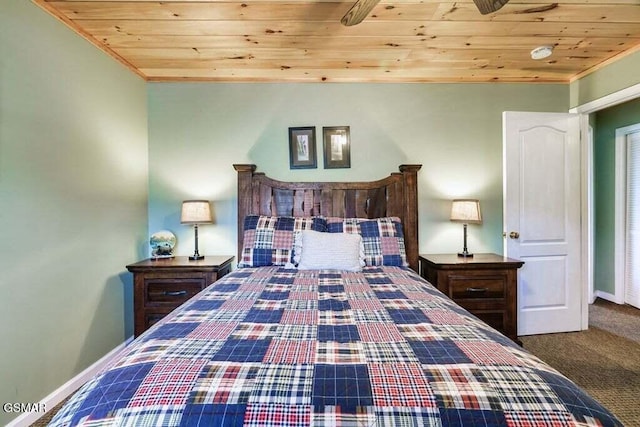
(395, 195)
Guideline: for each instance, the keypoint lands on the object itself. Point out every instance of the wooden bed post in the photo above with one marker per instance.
(410, 206)
(245, 192)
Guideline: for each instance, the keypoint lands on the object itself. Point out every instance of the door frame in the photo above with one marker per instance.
(620, 233)
(588, 229)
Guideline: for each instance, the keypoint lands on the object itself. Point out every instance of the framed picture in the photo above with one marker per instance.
(337, 147)
(302, 148)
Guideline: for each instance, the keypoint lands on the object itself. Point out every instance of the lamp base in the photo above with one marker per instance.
(465, 254)
(196, 257)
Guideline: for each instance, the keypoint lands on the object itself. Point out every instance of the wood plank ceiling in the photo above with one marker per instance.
(400, 41)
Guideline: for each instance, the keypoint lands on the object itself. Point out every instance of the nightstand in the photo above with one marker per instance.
(162, 285)
(485, 284)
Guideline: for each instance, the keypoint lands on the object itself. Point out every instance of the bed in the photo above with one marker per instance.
(326, 322)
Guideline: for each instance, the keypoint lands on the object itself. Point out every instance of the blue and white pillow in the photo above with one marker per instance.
(383, 238)
(269, 240)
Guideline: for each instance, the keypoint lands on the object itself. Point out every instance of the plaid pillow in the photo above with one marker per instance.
(383, 238)
(269, 240)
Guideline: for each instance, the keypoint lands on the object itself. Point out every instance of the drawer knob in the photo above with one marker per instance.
(175, 293)
(478, 290)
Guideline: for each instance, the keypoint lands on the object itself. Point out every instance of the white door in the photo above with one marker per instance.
(632, 237)
(542, 218)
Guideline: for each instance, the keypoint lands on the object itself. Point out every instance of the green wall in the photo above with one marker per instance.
(198, 130)
(619, 75)
(73, 195)
(81, 137)
(606, 122)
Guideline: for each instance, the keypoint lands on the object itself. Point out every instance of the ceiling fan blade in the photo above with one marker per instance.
(358, 12)
(489, 6)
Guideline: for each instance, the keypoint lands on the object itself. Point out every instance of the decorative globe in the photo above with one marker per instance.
(162, 243)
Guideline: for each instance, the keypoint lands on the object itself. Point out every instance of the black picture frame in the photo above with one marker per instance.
(302, 148)
(337, 147)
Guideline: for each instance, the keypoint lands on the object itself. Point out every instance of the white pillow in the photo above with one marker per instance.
(331, 251)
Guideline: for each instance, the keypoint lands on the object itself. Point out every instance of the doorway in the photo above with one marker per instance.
(594, 274)
(627, 215)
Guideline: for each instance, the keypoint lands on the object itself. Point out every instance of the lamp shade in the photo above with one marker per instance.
(466, 210)
(196, 212)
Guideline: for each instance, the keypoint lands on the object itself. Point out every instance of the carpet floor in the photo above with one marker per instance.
(604, 360)
(605, 363)
(623, 320)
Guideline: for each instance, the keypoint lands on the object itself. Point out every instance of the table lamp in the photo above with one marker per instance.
(196, 212)
(466, 211)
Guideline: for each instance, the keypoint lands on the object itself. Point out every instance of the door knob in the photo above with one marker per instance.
(514, 235)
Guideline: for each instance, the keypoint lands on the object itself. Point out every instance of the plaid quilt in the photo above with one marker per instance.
(275, 347)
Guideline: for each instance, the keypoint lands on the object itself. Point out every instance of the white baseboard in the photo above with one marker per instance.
(606, 296)
(66, 389)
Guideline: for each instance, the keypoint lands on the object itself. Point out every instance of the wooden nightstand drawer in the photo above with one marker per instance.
(490, 286)
(485, 285)
(153, 317)
(495, 319)
(160, 292)
(160, 286)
